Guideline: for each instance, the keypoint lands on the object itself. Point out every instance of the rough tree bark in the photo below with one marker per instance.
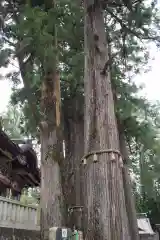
(51, 155)
(52, 201)
(129, 198)
(141, 168)
(74, 146)
(105, 210)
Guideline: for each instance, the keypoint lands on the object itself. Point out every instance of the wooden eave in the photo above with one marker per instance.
(11, 151)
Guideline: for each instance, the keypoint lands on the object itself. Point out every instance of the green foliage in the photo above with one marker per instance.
(4, 57)
(12, 122)
(30, 197)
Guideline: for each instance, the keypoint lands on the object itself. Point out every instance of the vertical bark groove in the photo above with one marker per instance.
(105, 210)
(74, 139)
(51, 157)
(129, 198)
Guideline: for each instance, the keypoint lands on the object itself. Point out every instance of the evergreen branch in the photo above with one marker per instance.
(128, 142)
(13, 11)
(129, 4)
(1, 22)
(108, 63)
(8, 41)
(131, 31)
(123, 26)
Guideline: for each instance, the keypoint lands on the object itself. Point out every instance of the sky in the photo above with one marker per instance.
(151, 79)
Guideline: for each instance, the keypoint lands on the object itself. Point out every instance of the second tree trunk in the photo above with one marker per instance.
(105, 210)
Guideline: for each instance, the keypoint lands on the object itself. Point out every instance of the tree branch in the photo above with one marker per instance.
(8, 41)
(108, 63)
(131, 31)
(15, 17)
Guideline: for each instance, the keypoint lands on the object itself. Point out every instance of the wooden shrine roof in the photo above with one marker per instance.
(22, 161)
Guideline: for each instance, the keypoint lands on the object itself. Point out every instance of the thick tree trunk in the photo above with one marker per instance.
(51, 155)
(74, 144)
(141, 168)
(105, 210)
(129, 198)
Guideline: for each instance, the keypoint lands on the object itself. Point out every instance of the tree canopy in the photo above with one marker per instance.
(27, 31)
